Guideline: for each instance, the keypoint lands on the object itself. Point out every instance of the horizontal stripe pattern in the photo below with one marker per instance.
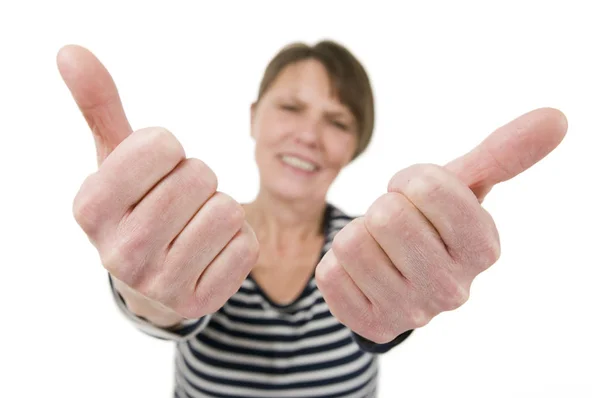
(252, 347)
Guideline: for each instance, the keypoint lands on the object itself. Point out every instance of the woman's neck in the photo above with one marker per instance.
(278, 222)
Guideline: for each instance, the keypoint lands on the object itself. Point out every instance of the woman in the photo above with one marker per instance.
(254, 295)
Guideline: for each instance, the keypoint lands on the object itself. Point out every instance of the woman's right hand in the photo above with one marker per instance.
(162, 229)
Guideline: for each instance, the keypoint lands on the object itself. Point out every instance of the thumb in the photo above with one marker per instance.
(510, 150)
(97, 97)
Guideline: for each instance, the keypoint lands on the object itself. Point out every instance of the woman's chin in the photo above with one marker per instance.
(294, 192)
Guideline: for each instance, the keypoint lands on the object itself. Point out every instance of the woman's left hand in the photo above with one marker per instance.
(418, 248)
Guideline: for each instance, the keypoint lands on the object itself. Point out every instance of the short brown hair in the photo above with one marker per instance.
(350, 82)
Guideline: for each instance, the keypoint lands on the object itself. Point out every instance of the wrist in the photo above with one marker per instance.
(145, 308)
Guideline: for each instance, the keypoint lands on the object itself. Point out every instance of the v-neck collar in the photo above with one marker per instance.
(308, 289)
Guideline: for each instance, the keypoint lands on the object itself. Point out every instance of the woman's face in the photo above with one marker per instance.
(304, 136)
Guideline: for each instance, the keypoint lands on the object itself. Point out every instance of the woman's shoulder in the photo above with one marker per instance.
(334, 211)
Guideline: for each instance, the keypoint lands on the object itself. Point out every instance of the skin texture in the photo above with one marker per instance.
(175, 245)
(418, 248)
(179, 248)
(298, 115)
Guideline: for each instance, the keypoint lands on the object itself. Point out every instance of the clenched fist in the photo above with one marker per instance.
(418, 248)
(175, 245)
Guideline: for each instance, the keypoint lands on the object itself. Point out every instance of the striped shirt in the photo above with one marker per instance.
(253, 347)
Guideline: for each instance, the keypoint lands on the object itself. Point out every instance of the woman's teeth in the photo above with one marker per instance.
(298, 163)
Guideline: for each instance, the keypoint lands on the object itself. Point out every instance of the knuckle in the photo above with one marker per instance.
(395, 183)
(327, 272)
(427, 182)
(246, 251)
(126, 260)
(384, 335)
(376, 217)
(253, 250)
(87, 207)
(456, 296)
(136, 244)
(368, 316)
(399, 180)
(448, 294)
(321, 278)
(86, 214)
(396, 209)
(228, 212)
(490, 252)
(487, 248)
(348, 240)
(201, 176)
(204, 301)
(114, 260)
(419, 318)
(164, 142)
(379, 329)
(388, 210)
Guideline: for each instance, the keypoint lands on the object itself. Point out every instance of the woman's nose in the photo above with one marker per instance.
(309, 132)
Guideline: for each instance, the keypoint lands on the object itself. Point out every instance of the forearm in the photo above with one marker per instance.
(143, 307)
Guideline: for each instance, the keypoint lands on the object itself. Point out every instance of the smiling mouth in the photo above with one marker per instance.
(298, 163)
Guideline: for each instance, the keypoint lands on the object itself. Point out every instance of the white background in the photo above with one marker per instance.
(445, 75)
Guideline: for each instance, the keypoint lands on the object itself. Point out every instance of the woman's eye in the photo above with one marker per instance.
(340, 125)
(288, 107)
